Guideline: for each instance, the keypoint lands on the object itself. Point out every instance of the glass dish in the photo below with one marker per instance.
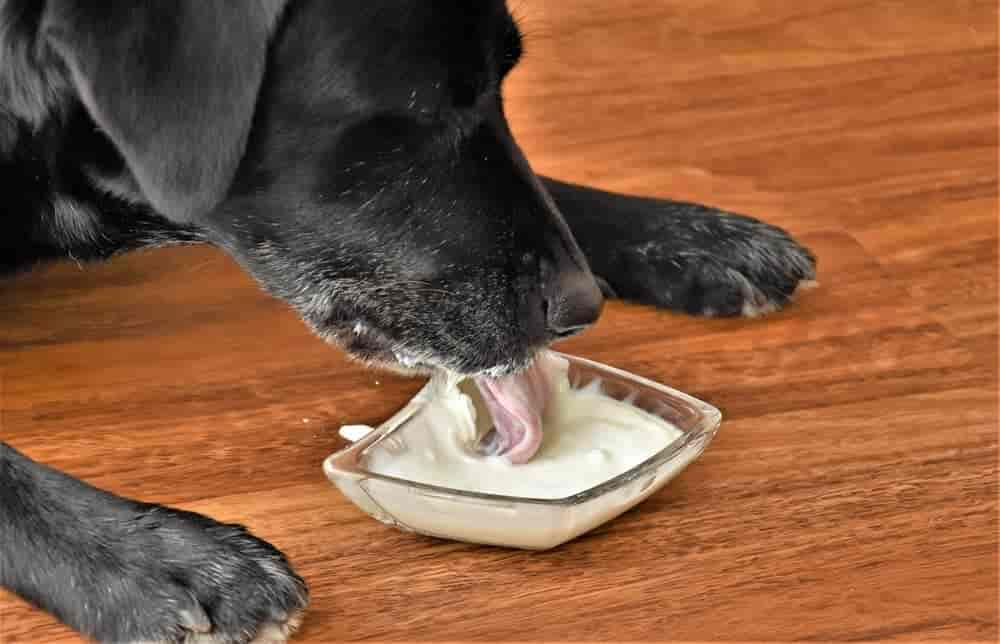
(519, 522)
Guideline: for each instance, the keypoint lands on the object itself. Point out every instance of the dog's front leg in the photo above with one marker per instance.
(682, 256)
(122, 571)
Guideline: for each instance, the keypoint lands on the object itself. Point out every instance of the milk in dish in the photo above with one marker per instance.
(514, 499)
(587, 438)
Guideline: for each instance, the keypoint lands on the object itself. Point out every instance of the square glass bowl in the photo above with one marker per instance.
(519, 522)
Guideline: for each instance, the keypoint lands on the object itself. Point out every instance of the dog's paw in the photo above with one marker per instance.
(179, 577)
(712, 264)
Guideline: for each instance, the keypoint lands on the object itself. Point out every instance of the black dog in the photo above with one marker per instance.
(354, 157)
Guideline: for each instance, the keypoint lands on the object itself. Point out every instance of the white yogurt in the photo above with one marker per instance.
(589, 438)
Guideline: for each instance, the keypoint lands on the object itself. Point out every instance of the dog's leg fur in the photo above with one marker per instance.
(122, 571)
(682, 256)
(53, 211)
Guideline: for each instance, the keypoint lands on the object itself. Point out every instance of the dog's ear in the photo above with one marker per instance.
(172, 83)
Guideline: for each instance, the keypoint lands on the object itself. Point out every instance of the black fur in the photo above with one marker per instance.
(119, 570)
(354, 158)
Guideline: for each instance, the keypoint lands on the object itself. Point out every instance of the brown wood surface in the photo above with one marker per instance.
(852, 490)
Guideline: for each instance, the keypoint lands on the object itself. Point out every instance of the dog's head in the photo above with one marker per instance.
(353, 156)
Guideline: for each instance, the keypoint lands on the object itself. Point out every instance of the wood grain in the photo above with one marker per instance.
(852, 491)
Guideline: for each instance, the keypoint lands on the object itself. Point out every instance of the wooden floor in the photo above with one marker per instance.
(852, 490)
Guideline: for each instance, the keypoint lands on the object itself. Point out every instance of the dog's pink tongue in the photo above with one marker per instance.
(516, 404)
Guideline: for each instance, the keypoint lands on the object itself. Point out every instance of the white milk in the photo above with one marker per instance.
(589, 438)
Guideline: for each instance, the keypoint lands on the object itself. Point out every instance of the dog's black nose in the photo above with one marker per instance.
(573, 301)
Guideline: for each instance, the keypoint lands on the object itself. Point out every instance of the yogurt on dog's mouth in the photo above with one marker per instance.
(552, 441)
